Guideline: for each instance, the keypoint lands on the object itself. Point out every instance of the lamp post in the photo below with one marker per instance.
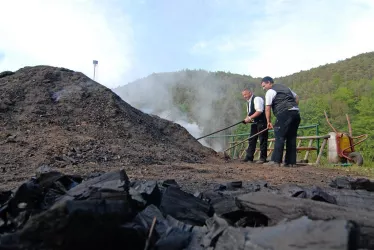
(95, 62)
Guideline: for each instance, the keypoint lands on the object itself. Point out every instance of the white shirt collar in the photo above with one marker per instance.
(250, 99)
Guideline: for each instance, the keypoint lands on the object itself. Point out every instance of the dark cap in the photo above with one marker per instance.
(267, 79)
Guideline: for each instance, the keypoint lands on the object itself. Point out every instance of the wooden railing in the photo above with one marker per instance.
(240, 149)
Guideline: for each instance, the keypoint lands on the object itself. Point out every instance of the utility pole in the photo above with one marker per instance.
(95, 63)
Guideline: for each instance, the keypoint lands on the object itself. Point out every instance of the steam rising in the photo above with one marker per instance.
(192, 127)
(204, 94)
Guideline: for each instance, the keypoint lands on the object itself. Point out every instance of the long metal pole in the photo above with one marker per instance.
(220, 130)
(246, 139)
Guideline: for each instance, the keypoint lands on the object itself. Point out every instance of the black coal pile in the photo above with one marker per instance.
(109, 211)
(61, 118)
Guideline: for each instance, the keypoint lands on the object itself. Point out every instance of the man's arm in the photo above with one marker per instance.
(268, 116)
(269, 97)
(259, 107)
(257, 113)
(250, 118)
(295, 96)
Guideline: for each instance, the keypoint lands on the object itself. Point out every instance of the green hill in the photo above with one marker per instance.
(213, 99)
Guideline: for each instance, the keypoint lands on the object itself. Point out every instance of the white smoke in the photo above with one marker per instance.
(192, 127)
(155, 95)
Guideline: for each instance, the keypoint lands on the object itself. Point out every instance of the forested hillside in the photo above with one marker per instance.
(213, 99)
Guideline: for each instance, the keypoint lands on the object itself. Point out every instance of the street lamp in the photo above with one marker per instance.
(95, 62)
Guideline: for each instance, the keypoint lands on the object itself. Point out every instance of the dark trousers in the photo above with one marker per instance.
(255, 128)
(285, 130)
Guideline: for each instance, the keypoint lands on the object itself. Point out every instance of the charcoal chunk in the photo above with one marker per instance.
(185, 207)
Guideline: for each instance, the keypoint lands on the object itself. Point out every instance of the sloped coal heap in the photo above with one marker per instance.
(57, 117)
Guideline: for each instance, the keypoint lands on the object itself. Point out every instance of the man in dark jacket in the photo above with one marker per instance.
(255, 114)
(284, 103)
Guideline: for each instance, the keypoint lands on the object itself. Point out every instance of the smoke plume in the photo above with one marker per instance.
(197, 100)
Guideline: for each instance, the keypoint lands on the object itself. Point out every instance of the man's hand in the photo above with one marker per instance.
(270, 126)
(248, 119)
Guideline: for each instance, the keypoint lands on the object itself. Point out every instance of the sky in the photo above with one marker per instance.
(134, 38)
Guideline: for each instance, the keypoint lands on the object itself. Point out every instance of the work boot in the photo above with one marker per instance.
(286, 165)
(261, 161)
(272, 164)
(247, 159)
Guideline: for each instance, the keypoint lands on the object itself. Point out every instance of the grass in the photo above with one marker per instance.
(366, 170)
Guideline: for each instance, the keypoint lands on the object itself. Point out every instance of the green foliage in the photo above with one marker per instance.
(364, 124)
(311, 109)
(344, 95)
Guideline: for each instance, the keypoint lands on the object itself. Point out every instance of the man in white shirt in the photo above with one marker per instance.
(284, 103)
(256, 115)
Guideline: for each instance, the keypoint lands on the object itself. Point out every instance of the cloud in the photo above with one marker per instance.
(198, 47)
(69, 34)
(294, 35)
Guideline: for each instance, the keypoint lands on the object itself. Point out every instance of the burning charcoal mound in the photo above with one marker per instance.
(109, 211)
(60, 118)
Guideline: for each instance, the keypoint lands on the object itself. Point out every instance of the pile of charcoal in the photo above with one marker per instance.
(109, 211)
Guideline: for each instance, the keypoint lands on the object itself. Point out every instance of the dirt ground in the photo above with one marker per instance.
(198, 177)
(194, 177)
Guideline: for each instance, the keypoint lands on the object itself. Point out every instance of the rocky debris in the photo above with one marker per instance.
(277, 208)
(145, 192)
(352, 183)
(301, 233)
(313, 193)
(341, 197)
(60, 118)
(109, 211)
